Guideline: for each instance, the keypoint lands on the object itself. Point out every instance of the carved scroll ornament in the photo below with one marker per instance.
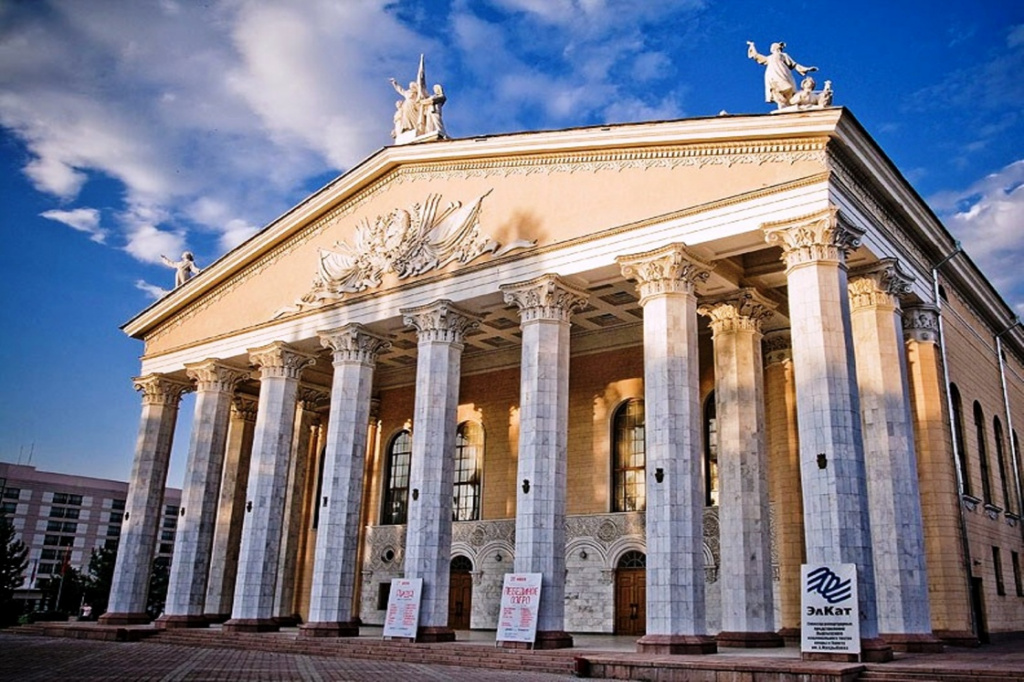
(405, 242)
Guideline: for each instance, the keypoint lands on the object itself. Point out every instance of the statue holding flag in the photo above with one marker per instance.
(418, 113)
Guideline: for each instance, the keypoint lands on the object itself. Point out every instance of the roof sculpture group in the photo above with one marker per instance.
(395, 244)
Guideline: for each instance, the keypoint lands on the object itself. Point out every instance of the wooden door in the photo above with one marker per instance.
(630, 601)
(460, 600)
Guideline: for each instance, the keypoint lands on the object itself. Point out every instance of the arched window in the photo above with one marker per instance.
(469, 449)
(710, 451)
(396, 485)
(632, 559)
(958, 433)
(629, 481)
(979, 427)
(997, 433)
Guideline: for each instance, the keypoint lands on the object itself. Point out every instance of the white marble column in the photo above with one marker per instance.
(441, 329)
(545, 307)
(335, 559)
(220, 587)
(307, 422)
(897, 529)
(745, 578)
(832, 469)
(280, 368)
(676, 610)
(783, 442)
(144, 507)
(186, 584)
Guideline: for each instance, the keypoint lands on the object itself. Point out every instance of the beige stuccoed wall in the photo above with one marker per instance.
(554, 201)
(974, 368)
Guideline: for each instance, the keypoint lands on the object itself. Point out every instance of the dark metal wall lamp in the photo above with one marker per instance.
(659, 474)
(526, 485)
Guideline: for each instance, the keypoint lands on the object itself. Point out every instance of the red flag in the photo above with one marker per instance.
(66, 562)
(35, 565)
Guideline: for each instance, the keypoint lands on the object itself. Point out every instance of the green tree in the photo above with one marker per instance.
(101, 575)
(158, 586)
(13, 562)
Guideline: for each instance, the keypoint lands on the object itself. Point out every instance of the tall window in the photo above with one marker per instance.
(396, 487)
(630, 457)
(979, 426)
(958, 433)
(710, 451)
(997, 432)
(997, 566)
(469, 450)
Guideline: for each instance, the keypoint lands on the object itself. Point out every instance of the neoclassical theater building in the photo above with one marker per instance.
(662, 364)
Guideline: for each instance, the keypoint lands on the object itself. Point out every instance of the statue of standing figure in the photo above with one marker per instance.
(779, 84)
(418, 113)
(185, 269)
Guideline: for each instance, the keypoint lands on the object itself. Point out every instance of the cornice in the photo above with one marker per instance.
(724, 140)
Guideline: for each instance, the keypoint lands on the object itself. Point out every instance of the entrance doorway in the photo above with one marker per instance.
(631, 594)
(460, 593)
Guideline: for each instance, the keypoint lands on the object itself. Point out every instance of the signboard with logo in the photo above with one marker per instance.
(403, 615)
(520, 604)
(830, 617)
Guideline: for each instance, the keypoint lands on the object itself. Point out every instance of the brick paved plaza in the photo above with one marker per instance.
(25, 659)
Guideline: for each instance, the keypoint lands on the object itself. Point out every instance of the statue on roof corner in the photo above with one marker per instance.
(780, 86)
(418, 113)
(185, 269)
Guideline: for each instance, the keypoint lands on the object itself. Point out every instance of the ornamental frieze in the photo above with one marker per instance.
(405, 243)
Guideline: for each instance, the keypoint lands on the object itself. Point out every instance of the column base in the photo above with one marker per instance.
(958, 637)
(546, 639)
(790, 635)
(920, 643)
(251, 625)
(329, 629)
(166, 622)
(871, 651)
(216, 618)
(677, 644)
(124, 619)
(434, 633)
(287, 621)
(750, 640)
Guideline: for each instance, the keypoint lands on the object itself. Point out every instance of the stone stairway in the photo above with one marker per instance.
(561, 662)
(894, 674)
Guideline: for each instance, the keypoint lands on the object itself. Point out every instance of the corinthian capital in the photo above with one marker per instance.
(777, 346)
(879, 284)
(812, 238)
(548, 297)
(213, 375)
(670, 269)
(245, 406)
(158, 389)
(353, 343)
(741, 310)
(921, 323)
(440, 321)
(278, 359)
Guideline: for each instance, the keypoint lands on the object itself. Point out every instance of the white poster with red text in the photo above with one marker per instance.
(403, 615)
(520, 605)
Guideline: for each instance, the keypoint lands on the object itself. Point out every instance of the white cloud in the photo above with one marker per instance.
(987, 218)
(151, 290)
(85, 220)
(147, 243)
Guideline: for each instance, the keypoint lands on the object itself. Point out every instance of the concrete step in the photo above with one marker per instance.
(449, 653)
(881, 674)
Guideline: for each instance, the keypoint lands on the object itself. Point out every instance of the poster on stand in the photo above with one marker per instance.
(830, 616)
(520, 605)
(403, 615)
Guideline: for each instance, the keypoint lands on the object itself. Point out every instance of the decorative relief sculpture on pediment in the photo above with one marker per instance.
(403, 243)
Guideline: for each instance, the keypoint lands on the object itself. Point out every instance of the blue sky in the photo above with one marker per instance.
(136, 128)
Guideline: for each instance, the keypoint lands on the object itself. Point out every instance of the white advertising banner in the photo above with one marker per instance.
(520, 604)
(830, 617)
(403, 616)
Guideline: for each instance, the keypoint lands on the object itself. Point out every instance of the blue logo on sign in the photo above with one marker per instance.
(828, 585)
